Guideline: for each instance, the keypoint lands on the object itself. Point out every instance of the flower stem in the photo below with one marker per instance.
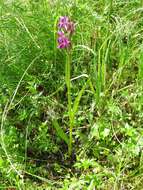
(68, 83)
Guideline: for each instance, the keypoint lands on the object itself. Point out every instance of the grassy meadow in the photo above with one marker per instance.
(71, 119)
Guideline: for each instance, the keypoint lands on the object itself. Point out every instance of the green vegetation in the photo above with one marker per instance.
(99, 104)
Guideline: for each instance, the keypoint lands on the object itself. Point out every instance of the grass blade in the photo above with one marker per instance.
(77, 100)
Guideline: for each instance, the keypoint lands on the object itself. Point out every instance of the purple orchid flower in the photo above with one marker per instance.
(66, 24)
(63, 22)
(63, 41)
(66, 28)
(60, 34)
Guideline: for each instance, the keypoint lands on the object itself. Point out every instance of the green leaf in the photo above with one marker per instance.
(60, 131)
(1, 162)
(77, 100)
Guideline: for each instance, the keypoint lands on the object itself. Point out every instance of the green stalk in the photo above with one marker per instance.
(68, 83)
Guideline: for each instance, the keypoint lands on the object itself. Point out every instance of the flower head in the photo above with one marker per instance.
(66, 28)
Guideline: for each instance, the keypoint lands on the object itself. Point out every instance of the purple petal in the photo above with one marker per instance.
(60, 33)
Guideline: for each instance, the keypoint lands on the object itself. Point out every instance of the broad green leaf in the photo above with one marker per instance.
(60, 131)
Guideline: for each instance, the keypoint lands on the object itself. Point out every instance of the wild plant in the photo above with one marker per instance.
(66, 29)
